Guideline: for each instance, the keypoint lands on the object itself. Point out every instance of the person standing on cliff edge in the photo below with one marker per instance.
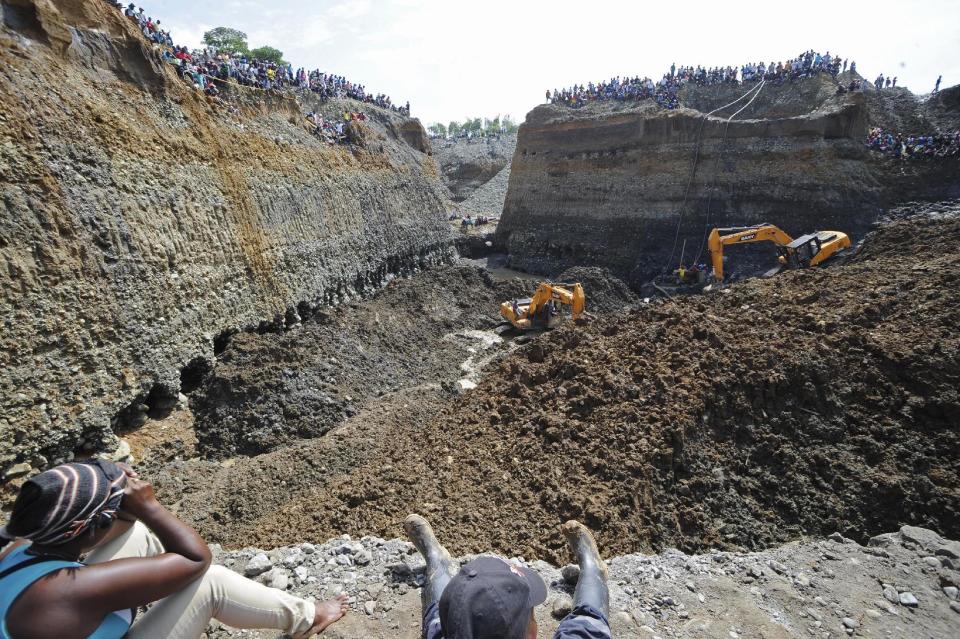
(137, 553)
(936, 89)
(491, 598)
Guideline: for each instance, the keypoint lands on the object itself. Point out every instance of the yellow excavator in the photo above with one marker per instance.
(543, 309)
(808, 250)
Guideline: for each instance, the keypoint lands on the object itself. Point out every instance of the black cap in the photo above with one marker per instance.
(490, 598)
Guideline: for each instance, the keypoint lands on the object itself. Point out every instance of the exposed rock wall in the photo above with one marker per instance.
(466, 165)
(139, 222)
(616, 185)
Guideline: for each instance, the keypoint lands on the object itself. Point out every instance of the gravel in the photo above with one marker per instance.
(668, 595)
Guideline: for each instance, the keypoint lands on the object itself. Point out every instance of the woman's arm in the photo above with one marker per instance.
(128, 583)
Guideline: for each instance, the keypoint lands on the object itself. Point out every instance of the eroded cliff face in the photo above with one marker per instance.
(467, 164)
(625, 185)
(139, 222)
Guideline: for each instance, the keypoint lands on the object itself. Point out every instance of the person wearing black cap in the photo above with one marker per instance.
(491, 598)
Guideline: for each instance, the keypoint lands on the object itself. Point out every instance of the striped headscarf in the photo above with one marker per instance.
(62, 503)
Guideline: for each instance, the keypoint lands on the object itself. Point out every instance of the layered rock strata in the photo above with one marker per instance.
(632, 187)
(140, 221)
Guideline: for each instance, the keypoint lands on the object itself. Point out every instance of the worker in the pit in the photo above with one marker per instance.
(137, 553)
(491, 598)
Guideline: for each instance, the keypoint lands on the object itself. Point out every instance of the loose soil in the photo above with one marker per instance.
(604, 292)
(268, 389)
(817, 401)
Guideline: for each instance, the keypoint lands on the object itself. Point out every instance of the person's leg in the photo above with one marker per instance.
(592, 585)
(439, 567)
(238, 602)
(220, 594)
(133, 540)
(439, 562)
(589, 618)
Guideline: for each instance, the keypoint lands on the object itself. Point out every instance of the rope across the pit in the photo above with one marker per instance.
(696, 157)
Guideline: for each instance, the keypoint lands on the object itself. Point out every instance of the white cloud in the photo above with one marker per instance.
(350, 9)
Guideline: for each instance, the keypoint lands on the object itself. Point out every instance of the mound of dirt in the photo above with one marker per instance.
(604, 291)
(270, 389)
(488, 199)
(817, 401)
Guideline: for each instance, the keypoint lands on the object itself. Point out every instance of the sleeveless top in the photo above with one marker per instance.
(18, 571)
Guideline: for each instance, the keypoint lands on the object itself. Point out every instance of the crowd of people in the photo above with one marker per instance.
(204, 68)
(665, 90)
(914, 146)
(617, 88)
(150, 27)
(807, 64)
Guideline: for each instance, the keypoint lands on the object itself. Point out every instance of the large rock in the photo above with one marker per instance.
(139, 222)
(468, 164)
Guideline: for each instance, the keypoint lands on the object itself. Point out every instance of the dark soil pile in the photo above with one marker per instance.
(817, 401)
(268, 390)
(605, 292)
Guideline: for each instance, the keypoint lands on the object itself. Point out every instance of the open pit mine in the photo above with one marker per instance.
(292, 333)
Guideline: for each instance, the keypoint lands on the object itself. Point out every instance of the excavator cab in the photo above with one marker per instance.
(800, 252)
(811, 249)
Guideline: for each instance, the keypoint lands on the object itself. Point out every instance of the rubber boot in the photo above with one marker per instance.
(439, 563)
(592, 585)
(592, 590)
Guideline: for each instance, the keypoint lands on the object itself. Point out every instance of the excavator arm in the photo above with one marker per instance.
(741, 235)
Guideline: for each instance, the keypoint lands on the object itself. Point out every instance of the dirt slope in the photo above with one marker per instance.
(268, 390)
(816, 401)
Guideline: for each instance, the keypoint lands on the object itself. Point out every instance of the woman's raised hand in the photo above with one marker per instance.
(138, 497)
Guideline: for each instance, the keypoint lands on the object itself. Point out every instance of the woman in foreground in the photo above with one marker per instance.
(137, 553)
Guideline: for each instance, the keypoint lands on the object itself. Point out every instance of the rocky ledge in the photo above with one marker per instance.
(902, 584)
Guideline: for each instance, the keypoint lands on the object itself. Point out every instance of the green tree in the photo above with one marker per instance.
(454, 128)
(476, 125)
(227, 40)
(438, 129)
(268, 53)
(493, 126)
(509, 126)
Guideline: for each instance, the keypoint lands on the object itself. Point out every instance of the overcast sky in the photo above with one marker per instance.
(452, 59)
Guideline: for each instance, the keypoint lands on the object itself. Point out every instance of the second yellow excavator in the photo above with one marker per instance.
(805, 251)
(543, 309)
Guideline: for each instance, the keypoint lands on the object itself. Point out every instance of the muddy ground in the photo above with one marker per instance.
(605, 292)
(817, 401)
(270, 389)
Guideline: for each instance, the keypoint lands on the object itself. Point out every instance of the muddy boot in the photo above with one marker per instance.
(439, 562)
(592, 584)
